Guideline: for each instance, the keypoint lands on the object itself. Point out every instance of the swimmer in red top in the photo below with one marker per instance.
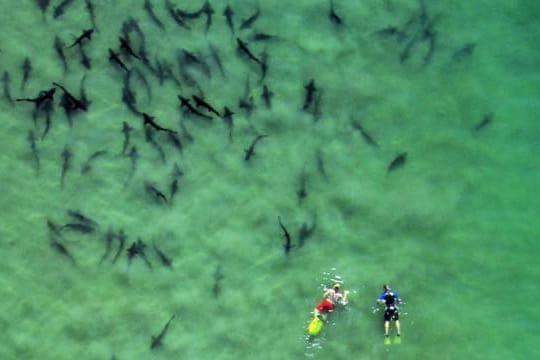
(331, 297)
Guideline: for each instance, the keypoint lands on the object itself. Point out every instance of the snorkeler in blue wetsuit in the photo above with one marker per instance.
(391, 301)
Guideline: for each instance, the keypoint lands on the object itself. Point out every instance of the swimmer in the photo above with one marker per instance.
(331, 297)
(391, 300)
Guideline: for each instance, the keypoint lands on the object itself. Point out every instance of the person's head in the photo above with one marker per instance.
(386, 287)
(336, 287)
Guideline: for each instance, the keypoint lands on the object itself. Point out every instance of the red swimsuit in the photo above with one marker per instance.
(325, 306)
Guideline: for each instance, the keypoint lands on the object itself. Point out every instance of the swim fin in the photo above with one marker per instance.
(397, 340)
(387, 340)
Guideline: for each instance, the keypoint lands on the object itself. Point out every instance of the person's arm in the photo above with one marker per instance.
(381, 299)
(339, 298)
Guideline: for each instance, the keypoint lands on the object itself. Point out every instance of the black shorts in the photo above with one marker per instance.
(391, 313)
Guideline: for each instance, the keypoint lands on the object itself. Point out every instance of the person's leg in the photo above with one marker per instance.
(395, 317)
(324, 308)
(387, 318)
(319, 309)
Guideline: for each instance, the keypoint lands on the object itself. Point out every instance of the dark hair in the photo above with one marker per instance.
(386, 287)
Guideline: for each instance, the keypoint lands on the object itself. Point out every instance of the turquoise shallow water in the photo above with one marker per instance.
(453, 231)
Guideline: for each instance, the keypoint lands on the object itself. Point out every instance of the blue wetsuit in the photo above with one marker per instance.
(391, 301)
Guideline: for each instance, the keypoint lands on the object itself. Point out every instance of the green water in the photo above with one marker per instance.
(454, 230)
